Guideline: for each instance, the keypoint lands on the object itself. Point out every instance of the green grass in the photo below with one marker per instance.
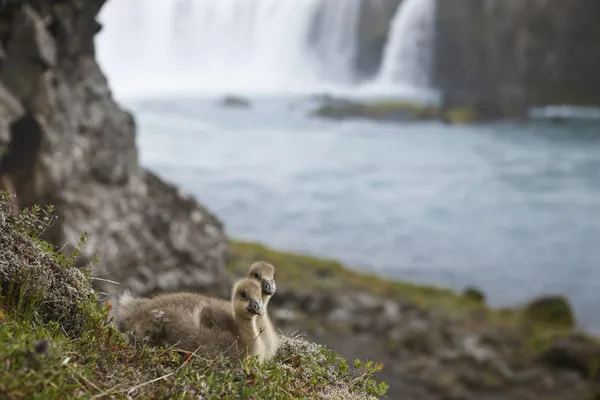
(59, 343)
(40, 362)
(311, 273)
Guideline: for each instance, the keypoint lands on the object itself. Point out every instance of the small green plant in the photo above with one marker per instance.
(366, 381)
(34, 221)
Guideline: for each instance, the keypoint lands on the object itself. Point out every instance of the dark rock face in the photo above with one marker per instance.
(373, 31)
(74, 147)
(371, 35)
(235, 102)
(545, 51)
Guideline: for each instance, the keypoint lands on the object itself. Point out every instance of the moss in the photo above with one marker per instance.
(474, 294)
(57, 342)
(392, 110)
(460, 115)
(550, 310)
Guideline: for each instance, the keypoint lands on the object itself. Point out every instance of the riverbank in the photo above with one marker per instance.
(434, 343)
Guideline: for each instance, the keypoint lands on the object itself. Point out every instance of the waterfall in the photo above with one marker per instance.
(336, 36)
(227, 45)
(408, 53)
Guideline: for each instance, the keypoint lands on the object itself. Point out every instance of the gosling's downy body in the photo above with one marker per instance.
(264, 273)
(175, 319)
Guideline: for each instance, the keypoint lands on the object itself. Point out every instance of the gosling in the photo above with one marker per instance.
(264, 274)
(175, 319)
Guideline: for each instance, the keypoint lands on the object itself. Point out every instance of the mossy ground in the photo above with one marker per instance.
(43, 357)
(40, 362)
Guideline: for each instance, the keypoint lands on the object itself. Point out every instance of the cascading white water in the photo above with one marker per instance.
(408, 53)
(336, 37)
(227, 45)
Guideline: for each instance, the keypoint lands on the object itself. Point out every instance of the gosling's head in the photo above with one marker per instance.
(264, 273)
(246, 299)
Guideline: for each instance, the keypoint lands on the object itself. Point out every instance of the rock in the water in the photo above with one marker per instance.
(459, 107)
(553, 310)
(234, 101)
(381, 110)
(149, 235)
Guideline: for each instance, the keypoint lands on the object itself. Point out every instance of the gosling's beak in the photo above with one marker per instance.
(268, 287)
(255, 307)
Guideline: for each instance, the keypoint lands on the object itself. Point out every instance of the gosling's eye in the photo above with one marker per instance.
(244, 296)
(257, 275)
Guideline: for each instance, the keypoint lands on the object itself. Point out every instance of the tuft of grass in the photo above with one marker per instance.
(58, 342)
(36, 282)
(551, 310)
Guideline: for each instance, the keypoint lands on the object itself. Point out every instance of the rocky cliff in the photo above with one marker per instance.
(373, 30)
(535, 51)
(70, 144)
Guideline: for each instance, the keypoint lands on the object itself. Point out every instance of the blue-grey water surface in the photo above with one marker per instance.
(512, 208)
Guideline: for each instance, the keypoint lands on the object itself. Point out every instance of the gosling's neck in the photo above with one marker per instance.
(265, 300)
(248, 336)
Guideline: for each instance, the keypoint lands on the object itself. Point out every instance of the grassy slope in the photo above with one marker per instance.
(41, 360)
(44, 359)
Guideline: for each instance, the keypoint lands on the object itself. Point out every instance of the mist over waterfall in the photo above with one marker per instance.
(408, 54)
(255, 46)
(241, 45)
